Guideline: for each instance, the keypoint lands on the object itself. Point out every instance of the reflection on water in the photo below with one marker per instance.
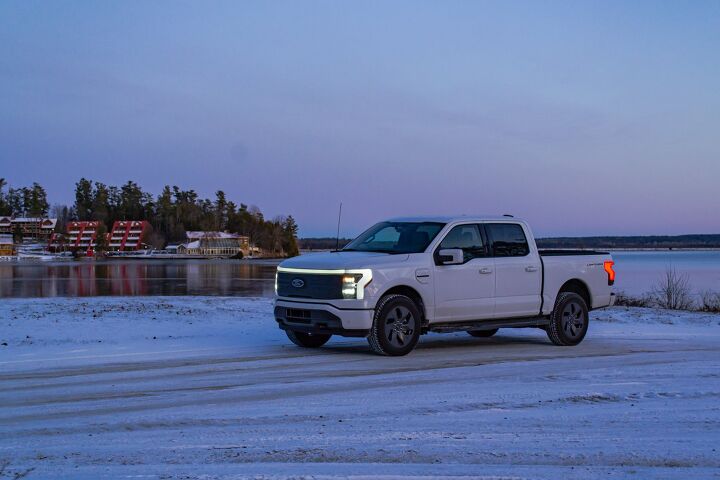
(136, 277)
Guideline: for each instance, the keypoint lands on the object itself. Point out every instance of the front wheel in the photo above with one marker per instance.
(396, 326)
(307, 340)
(569, 320)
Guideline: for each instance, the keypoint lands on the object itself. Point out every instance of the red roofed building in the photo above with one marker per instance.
(127, 235)
(82, 236)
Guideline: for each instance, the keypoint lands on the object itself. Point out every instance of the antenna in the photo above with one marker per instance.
(337, 238)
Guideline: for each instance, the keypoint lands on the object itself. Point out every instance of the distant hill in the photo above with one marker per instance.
(620, 242)
(607, 242)
(322, 243)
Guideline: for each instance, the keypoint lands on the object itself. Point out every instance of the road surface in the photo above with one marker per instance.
(638, 399)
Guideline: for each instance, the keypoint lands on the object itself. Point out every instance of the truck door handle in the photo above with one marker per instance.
(531, 269)
(485, 270)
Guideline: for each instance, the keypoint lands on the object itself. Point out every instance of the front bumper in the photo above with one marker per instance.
(311, 317)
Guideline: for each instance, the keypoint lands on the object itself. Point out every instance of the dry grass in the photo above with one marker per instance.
(622, 299)
(710, 301)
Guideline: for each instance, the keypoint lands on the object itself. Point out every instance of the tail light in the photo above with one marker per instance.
(608, 265)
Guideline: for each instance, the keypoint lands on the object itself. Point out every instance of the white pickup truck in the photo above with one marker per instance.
(405, 277)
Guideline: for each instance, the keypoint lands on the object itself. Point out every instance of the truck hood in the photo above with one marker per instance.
(342, 260)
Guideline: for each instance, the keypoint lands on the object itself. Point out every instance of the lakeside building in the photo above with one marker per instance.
(215, 244)
(127, 235)
(37, 228)
(80, 236)
(7, 246)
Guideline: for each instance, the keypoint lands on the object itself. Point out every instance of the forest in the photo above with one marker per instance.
(171, 213)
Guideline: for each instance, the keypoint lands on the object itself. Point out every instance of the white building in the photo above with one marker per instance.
(215, 244)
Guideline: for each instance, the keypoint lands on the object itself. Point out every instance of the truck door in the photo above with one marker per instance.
(465, 291)
(518, 271)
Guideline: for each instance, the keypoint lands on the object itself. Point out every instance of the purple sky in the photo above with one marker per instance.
(582, 117)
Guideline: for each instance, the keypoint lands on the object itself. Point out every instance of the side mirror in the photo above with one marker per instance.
(450, 256)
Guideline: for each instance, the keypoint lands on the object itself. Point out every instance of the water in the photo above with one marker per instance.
(636, 273)
(83, 278)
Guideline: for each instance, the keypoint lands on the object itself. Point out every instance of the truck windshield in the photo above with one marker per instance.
(396, 237)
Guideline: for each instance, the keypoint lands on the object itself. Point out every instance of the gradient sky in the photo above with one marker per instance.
(582, 117)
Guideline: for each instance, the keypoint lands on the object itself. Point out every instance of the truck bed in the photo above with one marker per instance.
(565, 253)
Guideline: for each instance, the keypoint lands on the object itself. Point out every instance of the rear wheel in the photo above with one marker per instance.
(569, 320)
(396, 326)
(483, 333)
(307, 340)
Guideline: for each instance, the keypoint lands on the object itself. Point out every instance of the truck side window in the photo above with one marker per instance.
(508, 240)
(468, 239)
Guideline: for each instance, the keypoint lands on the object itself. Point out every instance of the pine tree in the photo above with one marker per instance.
(37, 204)
(221, 219)
(4, 209)
(99, 206)
(83, 199)
(14, 200)
(290, 230)
(101, 242)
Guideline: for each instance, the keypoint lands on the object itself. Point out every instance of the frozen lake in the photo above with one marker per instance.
(637, 271)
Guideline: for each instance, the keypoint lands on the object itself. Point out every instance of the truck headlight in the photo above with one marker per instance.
(350, 285)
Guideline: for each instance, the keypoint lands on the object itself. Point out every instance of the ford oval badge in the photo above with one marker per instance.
(298, 282)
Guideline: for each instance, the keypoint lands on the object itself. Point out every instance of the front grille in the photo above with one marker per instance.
(297, 315)
(313, 285)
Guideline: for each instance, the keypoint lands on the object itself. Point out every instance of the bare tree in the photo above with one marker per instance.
(673, 291)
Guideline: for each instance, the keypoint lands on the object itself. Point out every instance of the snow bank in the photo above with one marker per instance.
(112, 327)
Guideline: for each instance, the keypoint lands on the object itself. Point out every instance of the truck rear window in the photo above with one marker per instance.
(508, 240)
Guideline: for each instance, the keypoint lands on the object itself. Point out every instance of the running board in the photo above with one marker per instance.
(487, 324)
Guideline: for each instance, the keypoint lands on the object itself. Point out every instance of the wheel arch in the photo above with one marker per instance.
(411, 293)
(576, 285)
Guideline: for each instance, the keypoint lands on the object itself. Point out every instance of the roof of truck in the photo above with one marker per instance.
(456, 218)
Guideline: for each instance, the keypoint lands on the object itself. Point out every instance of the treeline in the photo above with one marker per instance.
(607, 242)
(618, 242)
(23, 202)
(322, 243)
(171, 213)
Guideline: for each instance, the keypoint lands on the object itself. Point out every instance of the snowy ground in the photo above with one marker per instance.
(210, 388)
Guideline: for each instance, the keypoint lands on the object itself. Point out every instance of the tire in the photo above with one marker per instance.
(569, 320)
(307, 340)
(483, 333)
(396, 326)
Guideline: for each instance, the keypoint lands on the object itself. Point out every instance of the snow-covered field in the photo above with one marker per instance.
(198, 387)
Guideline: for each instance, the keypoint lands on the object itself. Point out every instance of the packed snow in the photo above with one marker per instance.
(208, 387)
